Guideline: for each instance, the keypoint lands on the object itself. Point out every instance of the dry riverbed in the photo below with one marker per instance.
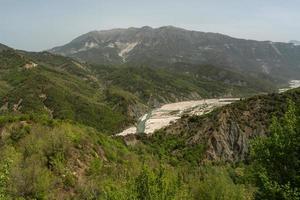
(292, 84)
(163, 116)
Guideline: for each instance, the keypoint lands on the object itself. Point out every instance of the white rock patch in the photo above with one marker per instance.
(87, 46)
(110, 45)
(275, 48)
(265, 69)
(90, 45)
(130, 130)
(125, 48)
(30, 65)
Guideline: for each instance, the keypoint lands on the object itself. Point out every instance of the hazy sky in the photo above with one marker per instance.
(41, 24)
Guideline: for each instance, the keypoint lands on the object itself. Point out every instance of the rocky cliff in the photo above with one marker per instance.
(226, 132)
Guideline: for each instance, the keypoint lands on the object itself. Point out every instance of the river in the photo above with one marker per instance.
(168, 113)
(292, 84)
(163, 116)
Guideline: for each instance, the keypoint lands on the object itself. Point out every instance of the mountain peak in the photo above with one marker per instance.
(170, 27)
(146, 28)
(167, 45)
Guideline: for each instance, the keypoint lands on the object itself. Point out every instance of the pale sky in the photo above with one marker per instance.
(42, 24)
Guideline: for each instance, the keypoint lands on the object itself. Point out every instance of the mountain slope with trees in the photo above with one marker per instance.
(56, 114)
(106, 97)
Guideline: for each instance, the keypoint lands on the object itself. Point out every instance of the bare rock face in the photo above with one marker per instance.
(230, 141)
(227, 131)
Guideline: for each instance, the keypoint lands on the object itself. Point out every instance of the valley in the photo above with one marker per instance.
(168, 113)
(151, 114)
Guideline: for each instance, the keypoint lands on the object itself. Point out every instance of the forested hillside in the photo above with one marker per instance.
(58, 117)
(106, 97)
(43, 158)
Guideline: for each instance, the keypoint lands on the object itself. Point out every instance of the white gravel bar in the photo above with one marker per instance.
(163, 116)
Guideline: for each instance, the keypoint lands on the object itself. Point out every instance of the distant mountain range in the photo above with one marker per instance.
(168, 45)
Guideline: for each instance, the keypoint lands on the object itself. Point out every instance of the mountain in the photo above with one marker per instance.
(168, 45)
(107, 97)
(55, 86)
(295, 42)
(156, 86)
(57, 116)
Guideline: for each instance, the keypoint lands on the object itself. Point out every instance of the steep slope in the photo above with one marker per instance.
(167, 45)
(224, 134)
(48, 159)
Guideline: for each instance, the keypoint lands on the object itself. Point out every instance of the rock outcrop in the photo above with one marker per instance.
(227, 131)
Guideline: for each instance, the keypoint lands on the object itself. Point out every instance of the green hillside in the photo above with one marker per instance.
(106, 97)
(44, 158)
(178, 83)
(53, 89)
(49, 159)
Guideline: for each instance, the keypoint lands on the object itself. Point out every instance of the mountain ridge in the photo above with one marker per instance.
(168, 45)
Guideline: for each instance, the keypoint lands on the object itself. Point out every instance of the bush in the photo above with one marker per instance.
(217, 185)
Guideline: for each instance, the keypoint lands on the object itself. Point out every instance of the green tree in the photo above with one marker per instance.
(4, 177)
(157, 186)
(217, 184)
(277, 160)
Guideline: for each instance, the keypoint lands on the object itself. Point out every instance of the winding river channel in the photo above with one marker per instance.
(168, 113)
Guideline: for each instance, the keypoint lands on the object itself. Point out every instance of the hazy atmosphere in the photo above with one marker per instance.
(149, 100)
(36, 25)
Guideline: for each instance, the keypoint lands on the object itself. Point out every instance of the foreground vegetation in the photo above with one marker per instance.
(44, 158)
(49, 159)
